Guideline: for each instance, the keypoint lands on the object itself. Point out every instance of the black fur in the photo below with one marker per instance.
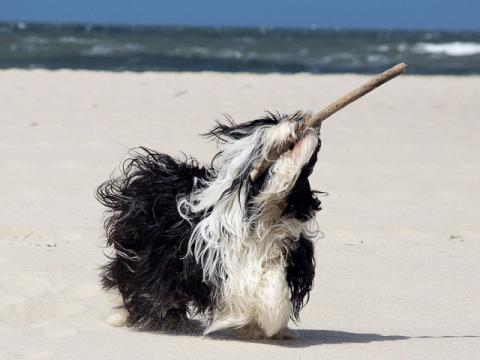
(302, 202)
(150, 269)
(154, 278)
(300, 274)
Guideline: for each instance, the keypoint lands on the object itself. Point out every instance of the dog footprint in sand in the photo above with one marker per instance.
(456, 238)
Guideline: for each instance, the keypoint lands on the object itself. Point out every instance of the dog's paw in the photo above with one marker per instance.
(117, 318)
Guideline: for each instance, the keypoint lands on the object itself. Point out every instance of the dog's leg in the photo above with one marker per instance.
(273, 305)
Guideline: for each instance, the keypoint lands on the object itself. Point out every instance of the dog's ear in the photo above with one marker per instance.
(230, 130)
(300, 274)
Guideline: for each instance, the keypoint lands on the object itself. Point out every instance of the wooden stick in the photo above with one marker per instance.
(316, 119)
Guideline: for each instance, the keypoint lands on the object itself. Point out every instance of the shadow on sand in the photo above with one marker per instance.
(307, 338)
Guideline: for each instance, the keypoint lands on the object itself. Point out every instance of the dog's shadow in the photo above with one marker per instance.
(308, 338)
(304, 338)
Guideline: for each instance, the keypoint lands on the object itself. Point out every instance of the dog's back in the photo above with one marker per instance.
(150, 239)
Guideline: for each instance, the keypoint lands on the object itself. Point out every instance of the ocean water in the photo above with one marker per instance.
(259, 50)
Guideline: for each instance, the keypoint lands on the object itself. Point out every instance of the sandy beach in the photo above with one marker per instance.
(398, 266)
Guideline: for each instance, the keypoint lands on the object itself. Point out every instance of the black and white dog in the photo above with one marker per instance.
(191, 240)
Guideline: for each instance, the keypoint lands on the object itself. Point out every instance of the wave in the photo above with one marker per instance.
(110, 49)
(157, 48)
(455, 48)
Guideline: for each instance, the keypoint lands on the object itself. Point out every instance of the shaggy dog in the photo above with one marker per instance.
(191, 240)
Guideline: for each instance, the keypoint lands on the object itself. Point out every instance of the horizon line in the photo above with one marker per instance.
(311, 27)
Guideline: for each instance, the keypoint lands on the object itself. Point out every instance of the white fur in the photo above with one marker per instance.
(243, 260)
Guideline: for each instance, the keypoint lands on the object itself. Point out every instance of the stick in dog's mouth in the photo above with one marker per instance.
(315, 120)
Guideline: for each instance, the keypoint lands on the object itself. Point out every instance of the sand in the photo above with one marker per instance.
(398, 268)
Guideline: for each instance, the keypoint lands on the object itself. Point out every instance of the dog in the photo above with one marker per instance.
(191, 241)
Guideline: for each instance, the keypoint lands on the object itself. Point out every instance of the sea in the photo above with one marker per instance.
(257, 50)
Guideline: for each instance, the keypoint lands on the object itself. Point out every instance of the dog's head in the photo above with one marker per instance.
(285, 184)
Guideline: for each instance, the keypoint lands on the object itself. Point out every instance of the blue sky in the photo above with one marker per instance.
(410, 14)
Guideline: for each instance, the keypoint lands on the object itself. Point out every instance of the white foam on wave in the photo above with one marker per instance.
(75, 40)
(456, 48)
(108, 49)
